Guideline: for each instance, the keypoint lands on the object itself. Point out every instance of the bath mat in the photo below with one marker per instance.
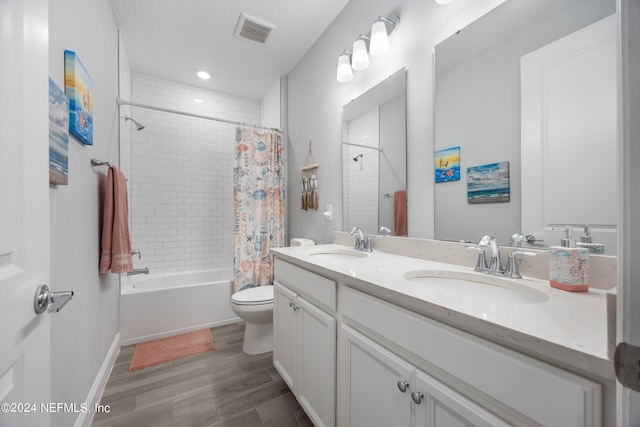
(172, 348)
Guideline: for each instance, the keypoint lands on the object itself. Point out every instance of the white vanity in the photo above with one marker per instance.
(372, 339)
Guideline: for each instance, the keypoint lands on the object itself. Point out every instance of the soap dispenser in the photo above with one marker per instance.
(569, 265)
(586, 242)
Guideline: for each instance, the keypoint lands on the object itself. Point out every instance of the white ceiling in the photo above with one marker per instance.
(172, 39)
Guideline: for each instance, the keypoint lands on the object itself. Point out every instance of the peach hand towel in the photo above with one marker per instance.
(400, 213)
(116, 241)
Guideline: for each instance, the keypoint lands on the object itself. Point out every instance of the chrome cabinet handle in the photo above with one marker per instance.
(291, 303)
(403, 385)
(417, 397)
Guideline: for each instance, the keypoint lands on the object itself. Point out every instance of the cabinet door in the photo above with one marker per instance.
(371, 378)
(316, 363)
(436, 405)
(285, 333)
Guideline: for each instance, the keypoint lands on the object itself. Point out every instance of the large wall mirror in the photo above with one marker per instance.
(528, 92)
(375, 159)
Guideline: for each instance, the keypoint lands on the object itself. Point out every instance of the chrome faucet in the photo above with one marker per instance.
(495, 266)
(138, 271)
(363, 243)
(516, 239)
(384, 231)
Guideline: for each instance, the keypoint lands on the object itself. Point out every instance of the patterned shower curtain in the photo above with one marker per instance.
(258, 190)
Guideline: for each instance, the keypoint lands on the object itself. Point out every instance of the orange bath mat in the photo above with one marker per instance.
(172, 348)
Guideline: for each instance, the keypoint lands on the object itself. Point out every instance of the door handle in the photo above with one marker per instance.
(51, 302)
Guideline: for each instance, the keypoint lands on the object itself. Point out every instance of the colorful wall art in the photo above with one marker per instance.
(78, 86)
(58, 135)
(488, 183)
(448, 165)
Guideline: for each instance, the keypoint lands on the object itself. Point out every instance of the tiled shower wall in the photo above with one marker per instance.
(181, 176)
(361, 183)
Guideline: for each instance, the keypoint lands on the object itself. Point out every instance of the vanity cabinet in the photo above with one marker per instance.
(370, 362)
(305, 339)
(493, 385)
(378, 387)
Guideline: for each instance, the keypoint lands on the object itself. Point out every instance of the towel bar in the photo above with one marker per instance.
(95, 162)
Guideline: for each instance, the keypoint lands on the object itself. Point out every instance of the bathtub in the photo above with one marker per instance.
(155, 306)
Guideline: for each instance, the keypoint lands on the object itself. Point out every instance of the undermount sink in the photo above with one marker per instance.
(337, 254)
(477, 286)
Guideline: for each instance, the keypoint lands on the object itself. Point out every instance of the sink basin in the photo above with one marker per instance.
(477, 286)
(337, 254)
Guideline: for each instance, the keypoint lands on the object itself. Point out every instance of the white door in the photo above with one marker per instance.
(24, 212)
(374, 384)
(569, 136)
(628, 266)
(316, 363)
(285, 333)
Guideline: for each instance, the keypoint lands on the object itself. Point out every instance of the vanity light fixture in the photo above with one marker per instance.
(379, 37)
(360, 59)
(378, 45)
(344, 67)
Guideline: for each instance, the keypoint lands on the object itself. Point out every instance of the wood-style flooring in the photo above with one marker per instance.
(220, 388)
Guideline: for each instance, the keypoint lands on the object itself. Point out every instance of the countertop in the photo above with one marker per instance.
(568, 329)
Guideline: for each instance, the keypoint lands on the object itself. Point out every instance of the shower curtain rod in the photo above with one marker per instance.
(363, 146)
(120, 102)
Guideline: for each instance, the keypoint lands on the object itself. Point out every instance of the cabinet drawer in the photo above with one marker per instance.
(317, 289)
(542, 393)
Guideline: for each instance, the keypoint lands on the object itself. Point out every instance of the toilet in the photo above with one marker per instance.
(255, 306)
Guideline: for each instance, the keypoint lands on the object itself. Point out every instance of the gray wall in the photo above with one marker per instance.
(83, 332)
(316, 99)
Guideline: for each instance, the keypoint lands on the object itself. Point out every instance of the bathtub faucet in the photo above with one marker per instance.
(138, 271)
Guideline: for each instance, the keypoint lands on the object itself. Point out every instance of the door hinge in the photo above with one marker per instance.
(627, 364)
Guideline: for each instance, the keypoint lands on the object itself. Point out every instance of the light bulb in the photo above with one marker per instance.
(360, 55)
(379, 39)
(344, 69)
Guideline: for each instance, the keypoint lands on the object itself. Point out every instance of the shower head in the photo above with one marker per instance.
(138, 125)
(355, 159)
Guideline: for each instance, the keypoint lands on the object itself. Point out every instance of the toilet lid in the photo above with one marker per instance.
(257, 295)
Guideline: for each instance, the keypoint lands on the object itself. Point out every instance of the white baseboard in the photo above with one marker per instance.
(97, 388)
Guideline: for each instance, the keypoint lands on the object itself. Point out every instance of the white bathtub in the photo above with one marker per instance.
(155, 306)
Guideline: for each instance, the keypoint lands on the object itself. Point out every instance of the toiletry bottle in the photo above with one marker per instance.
(586, 242)
(569, 265)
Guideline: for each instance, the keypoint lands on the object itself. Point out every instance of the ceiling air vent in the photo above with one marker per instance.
(253, 29)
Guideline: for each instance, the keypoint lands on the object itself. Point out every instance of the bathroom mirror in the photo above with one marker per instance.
(484, 104)
(374, 152)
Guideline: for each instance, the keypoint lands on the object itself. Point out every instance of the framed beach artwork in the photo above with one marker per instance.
(78, 86)
(488, 183)
(447, 167)
(58, 135)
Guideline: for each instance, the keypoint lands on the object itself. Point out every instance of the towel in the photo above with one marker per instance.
(116, 241)
(400, 213)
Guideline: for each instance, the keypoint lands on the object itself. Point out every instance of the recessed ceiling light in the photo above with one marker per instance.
(204, 75)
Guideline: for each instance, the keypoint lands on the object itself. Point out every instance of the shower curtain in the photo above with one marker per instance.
(258, 190)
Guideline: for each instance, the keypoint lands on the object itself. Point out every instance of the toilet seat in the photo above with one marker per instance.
(254, 296)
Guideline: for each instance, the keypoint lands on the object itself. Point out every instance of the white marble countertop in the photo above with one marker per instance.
(565, 328)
